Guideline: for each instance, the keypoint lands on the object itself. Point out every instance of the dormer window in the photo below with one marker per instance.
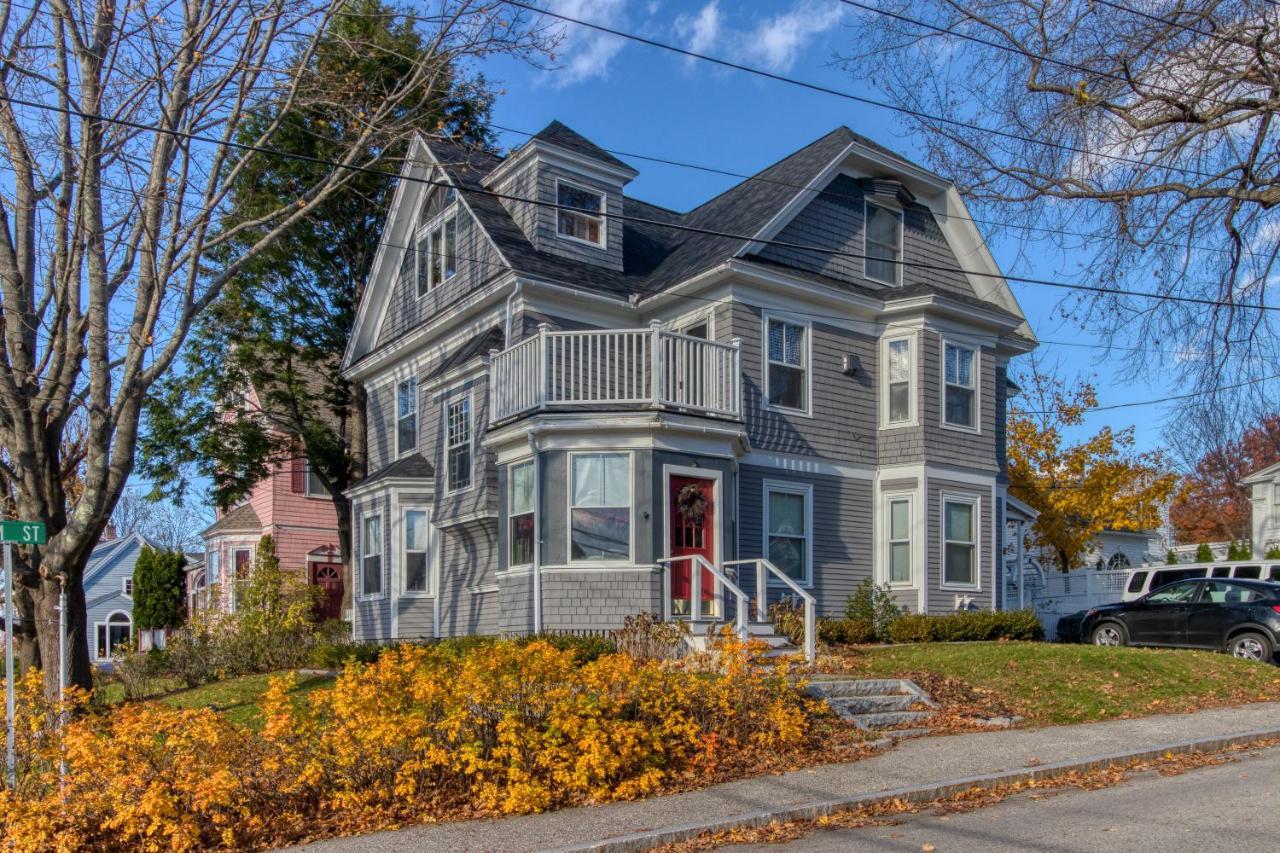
(579, 214)
(883, 244)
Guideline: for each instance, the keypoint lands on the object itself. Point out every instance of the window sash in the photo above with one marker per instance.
(600, 507)
(415, 551)
(437, 251)
(787, 535)
(960, 380)
(371, 556)
(899, 541)
(407, 415)
(960, 546)
(883, 241)
(458, 443)
(787, 365)
(899, 374)
(586, 221)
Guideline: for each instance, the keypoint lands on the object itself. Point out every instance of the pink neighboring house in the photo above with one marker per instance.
(293, 507)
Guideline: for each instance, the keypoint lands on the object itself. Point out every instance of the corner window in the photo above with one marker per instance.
(407, 415)
(899, 556)
(960, 386)
(600, 506)
(883, 244)
(458, 443)
(520, 512)
(788, 365)
(415, 550)
(580, 214)
(960, 542)
(899, 374)
(437, 251)
(788, 530)
(371, 556)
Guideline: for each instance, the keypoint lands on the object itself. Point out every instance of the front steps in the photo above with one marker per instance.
(779, 646)
(876, 703)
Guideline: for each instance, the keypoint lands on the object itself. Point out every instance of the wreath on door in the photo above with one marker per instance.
(691, 503)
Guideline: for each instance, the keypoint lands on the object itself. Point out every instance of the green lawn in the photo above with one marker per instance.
(237, 698)
(1052, 684)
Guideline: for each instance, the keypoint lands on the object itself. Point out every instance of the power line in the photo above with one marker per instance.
(862, 99)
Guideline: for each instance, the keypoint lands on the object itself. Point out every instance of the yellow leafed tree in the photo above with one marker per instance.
(1080, 489)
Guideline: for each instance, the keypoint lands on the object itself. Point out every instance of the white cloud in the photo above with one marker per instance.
(585, 53)
(777, 42)
(702, 31)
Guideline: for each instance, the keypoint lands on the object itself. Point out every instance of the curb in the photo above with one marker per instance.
(924, 793)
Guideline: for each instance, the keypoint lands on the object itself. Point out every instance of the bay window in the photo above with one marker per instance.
(371, 556)
(521, 524)
(600, 506)
(415, 550)
(899, 556)
(960, 541)
(960, 379)
(899, 375)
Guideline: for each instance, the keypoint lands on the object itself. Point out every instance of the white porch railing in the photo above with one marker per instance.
(700, 564)
(763, 569)
(648, 368)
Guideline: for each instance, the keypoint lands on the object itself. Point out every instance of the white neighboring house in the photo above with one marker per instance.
(1123, 549)
(1265, 507)
(108, 594)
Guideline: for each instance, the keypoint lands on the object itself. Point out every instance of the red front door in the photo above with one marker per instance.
(328, 576)
(692, 528)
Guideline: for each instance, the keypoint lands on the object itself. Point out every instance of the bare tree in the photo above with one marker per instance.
(164, 523)
(1140, 135)
(123, 126)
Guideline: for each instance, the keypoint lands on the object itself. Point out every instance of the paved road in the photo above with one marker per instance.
(1228, 807)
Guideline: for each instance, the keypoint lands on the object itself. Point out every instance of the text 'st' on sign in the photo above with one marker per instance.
(22, 532)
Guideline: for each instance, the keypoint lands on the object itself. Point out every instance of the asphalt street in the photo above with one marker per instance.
(1227, 807)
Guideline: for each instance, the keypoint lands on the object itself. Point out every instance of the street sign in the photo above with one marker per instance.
(22, 532)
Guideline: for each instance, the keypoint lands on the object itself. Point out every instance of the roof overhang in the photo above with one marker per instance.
(555, 155)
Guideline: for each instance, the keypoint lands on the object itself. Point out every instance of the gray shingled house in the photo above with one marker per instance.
(583, 405)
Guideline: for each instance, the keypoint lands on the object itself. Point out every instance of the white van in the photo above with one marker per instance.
(1148, 578)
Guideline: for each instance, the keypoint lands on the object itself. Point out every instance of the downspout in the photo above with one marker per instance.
(537, 534)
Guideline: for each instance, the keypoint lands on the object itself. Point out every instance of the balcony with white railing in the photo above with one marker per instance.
(616, 369)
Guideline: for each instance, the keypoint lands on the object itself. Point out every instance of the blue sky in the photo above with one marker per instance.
(631, 97)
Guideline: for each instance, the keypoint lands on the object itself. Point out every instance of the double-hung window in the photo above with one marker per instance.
(458, 442)
(580, 214)
(600, 506)
(437, 251)
(406, 415)
(371, 556)
(127, 587)
(415, 550)
(899, 375)
(788, 365)
(788, 529)
(960, 377)
(899, 556)
(884, 244)
(314, 485)
(960, 541)
(520, 514)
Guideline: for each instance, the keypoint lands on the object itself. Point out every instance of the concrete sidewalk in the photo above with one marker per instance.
(912, 763)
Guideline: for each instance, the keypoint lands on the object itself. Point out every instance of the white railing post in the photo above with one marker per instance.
(735, 381)
(695, 590)
(494, 379)
(655, 363)
(544, 367)
(810, 630)
(762, 593)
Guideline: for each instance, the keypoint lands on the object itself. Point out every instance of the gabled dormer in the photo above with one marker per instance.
(565, 193)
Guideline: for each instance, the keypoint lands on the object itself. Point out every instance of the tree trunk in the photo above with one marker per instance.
(358, 449)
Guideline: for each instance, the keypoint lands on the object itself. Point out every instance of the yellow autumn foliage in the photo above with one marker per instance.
(420, 734)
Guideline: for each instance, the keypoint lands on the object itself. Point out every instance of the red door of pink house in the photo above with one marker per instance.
(328, 577)
(692, 533)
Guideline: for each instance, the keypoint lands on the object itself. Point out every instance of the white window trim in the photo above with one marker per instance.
(765, 319)
(417, 413)
(126, 587)
(902, 227)
(403, 540)
(306, 483)
(382, 555)
(232, 580)
(511, 515)
(96, 625)
(976, 409)
(423, 232)
(805, 490)
(913, 414)
(604, 215)
(717, 480)
(886, 539)
(976, 501)
(568, 512)
(449, 400)
(707, 315)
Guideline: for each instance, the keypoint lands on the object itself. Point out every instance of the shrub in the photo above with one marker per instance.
(1204, 554)
(1273, 553)
(1171, 558)
(336, 655)
(645, 637)
(968, 625)
(843, 632)
(139, 673)
(1239, 551)
(585, 647)
(874, 605)
(787, 616)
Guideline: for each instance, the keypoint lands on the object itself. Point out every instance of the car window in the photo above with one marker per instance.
(1178, 593)
(1275, 573)
(1218, 592)
(1248, 572)
(1139, 578)
(1222, 571)
(1168, 576)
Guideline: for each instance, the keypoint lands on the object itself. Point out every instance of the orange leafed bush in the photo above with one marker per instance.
(418, 734)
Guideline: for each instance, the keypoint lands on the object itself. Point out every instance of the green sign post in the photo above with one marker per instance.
(13, 533)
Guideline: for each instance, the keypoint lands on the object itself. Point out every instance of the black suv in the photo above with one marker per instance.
(1240, 617)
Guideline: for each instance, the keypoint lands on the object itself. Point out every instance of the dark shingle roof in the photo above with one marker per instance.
(558, 133)
(242, 519)
(474, 348)
(414, 466)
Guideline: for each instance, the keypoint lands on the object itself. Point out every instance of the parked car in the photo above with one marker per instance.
(1144, 580)
(1241, 617)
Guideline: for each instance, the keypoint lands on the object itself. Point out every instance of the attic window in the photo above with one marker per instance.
(580, 214)
(883, 244)
(437, 252)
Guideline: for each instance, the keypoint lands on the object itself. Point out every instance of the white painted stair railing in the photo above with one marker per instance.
(764, 568)
(695, 596)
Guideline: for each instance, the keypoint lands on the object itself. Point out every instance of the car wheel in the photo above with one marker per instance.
(1250, 647)
(1109, 634)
